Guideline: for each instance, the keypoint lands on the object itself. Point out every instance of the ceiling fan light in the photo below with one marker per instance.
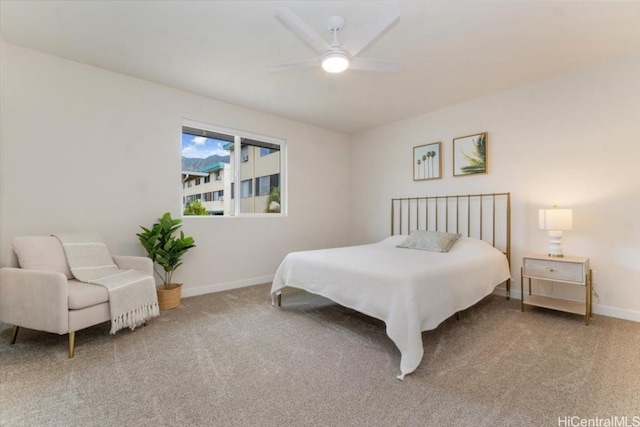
(335, 62)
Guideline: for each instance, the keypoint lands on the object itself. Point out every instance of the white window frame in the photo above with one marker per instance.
(237, 143)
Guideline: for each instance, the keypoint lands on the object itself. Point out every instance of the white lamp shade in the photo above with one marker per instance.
(335, 62)
(555, 219)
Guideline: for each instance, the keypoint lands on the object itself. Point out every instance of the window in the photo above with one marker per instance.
(264, 151)
(246, 189)
(260, 169)
(216, 158)
(264, 184)
(192, 197)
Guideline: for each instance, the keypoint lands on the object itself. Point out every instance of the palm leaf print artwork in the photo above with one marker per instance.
(470, 154)
(477, 159)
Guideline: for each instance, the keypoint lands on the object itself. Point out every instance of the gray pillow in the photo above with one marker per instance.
(434, 241)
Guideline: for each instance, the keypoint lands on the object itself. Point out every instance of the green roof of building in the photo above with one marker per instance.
(214, 167)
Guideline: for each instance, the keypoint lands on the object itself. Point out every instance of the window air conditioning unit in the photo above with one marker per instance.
(218, 177)
(221, 198)
(245, 158)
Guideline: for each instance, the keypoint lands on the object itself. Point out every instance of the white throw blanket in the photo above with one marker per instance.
(132, 293)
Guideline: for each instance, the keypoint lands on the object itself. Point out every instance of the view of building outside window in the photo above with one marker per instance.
(209, 173)
(258, 193)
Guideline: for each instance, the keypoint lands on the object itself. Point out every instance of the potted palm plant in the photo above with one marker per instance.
(166, 249)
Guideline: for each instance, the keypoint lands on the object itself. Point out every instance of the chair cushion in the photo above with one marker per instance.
(82, 295)
(41, 253)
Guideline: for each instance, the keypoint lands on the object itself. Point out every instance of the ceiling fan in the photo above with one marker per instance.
(337, 57)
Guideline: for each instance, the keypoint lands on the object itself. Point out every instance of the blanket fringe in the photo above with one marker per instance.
(135, 318)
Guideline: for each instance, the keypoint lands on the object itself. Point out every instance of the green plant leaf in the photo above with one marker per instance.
(163, 247)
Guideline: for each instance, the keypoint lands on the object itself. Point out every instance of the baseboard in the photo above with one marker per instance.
(218, 287)
(602, 310)
(618, 313)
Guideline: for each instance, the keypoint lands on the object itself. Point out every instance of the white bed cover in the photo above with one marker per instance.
(410, 290)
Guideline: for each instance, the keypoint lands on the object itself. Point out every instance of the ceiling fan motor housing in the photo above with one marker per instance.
(335, 23)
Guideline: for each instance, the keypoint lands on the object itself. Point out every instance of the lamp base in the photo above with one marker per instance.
(555, 244)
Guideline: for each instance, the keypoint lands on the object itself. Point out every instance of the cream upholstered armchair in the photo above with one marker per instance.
(44, 295)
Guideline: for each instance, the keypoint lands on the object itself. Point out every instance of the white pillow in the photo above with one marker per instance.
(434, 241)
(41, 253)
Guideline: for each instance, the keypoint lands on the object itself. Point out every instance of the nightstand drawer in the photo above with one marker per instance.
(555, 270)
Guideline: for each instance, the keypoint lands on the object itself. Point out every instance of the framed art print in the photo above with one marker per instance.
(427, 162)
(470, 154)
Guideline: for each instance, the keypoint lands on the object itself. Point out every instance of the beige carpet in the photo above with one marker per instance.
(231, 359)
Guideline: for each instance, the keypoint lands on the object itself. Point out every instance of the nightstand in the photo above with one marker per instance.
(570, 269)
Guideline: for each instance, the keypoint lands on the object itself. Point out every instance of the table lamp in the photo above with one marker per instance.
(555, 221)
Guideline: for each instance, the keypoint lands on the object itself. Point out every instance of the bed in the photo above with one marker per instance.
(413, 290)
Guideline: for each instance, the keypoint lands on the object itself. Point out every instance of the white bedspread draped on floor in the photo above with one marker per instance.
(410, 290)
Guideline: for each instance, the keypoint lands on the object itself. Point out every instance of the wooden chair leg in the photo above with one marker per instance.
(14, 335)
(72, 343)
(72, 340)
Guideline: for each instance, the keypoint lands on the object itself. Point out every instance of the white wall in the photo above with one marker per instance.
(82, 148)
(85, 149)
(572, 141)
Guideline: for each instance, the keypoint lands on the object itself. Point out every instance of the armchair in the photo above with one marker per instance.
(43, 294)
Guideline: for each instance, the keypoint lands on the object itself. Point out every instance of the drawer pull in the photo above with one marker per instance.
(551, 270)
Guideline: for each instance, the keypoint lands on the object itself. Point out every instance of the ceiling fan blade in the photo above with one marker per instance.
(368, 64)
(373, 29)
(296, 64)
(300, 28)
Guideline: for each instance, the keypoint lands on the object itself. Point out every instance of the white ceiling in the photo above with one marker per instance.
(454, 50)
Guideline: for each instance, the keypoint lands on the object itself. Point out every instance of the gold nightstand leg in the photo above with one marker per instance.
(521, 290)
(588, 298)
(590, 292)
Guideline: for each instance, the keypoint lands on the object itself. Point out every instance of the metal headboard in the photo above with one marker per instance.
(483, 216)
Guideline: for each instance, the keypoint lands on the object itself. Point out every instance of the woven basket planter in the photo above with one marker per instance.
(169, 298)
